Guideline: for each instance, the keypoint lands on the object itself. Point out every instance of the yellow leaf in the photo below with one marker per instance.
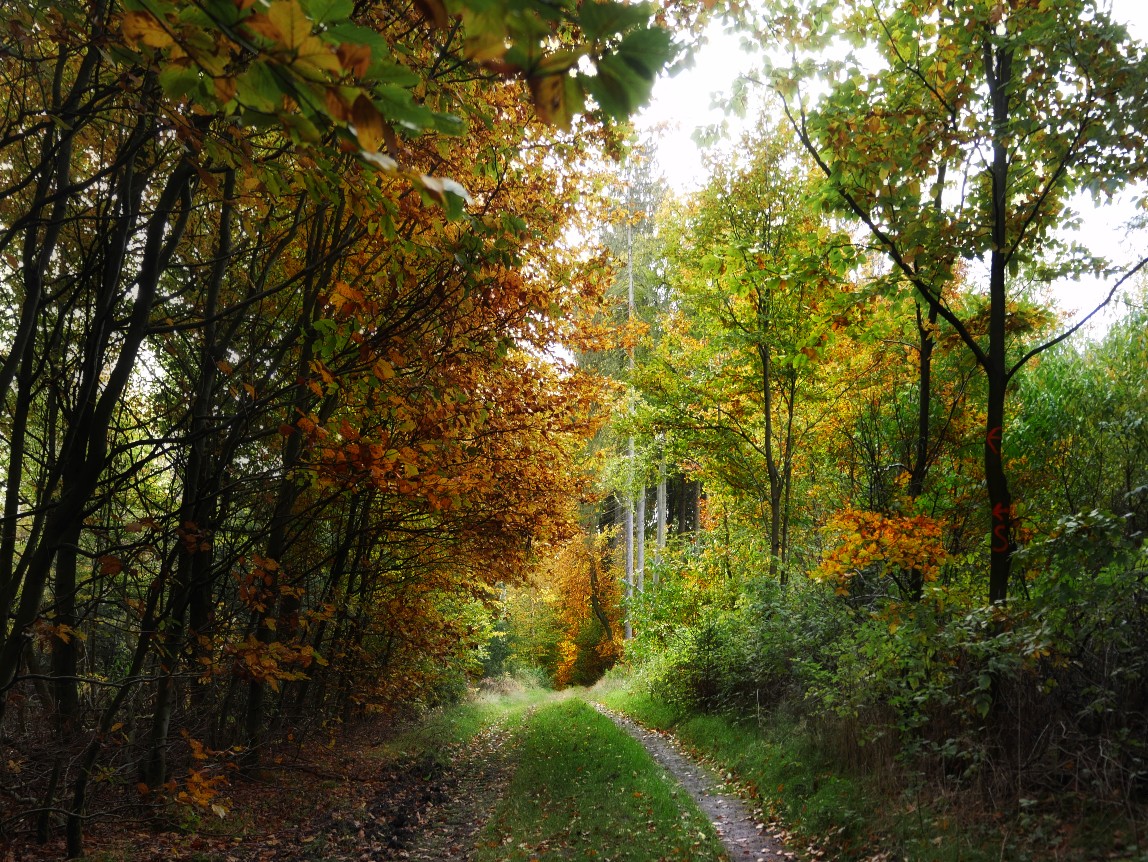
(549, 95)
(368, 124)
(146, 28)
(317, 54)
(293, 25)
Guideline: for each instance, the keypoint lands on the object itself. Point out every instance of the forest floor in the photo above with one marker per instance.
(457, 789)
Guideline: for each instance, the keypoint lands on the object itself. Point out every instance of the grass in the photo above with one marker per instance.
(777, 765)
(851, 816)
(585, 789)
(435, 736)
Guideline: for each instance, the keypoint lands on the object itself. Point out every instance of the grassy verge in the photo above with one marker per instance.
(585, 789)
(845, 815)
(777, 765)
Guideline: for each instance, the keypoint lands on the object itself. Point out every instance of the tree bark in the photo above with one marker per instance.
(998, 68)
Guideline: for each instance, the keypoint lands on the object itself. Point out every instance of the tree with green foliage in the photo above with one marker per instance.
(969, 138)
(755, 276)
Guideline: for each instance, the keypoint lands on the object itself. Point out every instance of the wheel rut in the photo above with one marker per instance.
(745, 838)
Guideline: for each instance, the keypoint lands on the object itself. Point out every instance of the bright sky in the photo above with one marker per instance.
(683, 103)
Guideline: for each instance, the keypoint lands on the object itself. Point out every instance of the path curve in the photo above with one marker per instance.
(744, 838)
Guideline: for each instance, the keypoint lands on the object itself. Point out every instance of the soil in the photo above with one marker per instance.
(746, 838)
(342, 805)
(450, 828)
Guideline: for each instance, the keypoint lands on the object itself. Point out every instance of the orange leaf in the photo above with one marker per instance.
(354, 58)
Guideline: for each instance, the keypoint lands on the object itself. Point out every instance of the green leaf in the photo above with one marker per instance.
(617, 87)
(326, 11)
(647, 51)
(178, 82)
(601, 20)
(258, 89)
(397, 105)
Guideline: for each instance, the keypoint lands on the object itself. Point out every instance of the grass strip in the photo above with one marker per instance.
(585, 789)
(778, 764)
(845, 815)
(437, 734)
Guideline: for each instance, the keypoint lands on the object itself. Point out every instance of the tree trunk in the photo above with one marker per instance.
(65, 643)
(660, 541)
(640, 542)
(998, 68)
(628, 629)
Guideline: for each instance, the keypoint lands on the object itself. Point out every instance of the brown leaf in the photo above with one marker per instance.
(224, 89)
(354, 58)
(336, 107)
(264, 26)
(434, 12)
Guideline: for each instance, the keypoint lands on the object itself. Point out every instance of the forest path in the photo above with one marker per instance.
(743, 836)
(449, 828)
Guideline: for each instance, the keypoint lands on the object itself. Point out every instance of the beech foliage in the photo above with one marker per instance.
(282, 288)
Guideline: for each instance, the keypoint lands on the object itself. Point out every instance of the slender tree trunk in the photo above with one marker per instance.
(787, 476)
(595, 580)
(660, 541)
(85, 458)
(640, 542)
(628, 629)
(998, 67)
(65, 643)
(775, 484)
(194, 504)
(74, 824)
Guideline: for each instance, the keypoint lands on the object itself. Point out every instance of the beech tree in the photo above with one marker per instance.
(276, 294)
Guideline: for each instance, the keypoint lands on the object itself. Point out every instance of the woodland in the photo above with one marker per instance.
(355, 354)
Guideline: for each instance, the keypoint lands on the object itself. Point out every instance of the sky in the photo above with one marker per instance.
(683, 103)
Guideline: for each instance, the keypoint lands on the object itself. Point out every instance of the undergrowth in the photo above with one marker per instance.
(781, 761)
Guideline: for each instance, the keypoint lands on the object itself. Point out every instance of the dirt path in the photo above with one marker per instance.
(449, 828)
(744, 837)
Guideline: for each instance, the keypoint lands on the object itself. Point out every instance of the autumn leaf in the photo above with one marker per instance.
(368, 123)
(145, 28)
